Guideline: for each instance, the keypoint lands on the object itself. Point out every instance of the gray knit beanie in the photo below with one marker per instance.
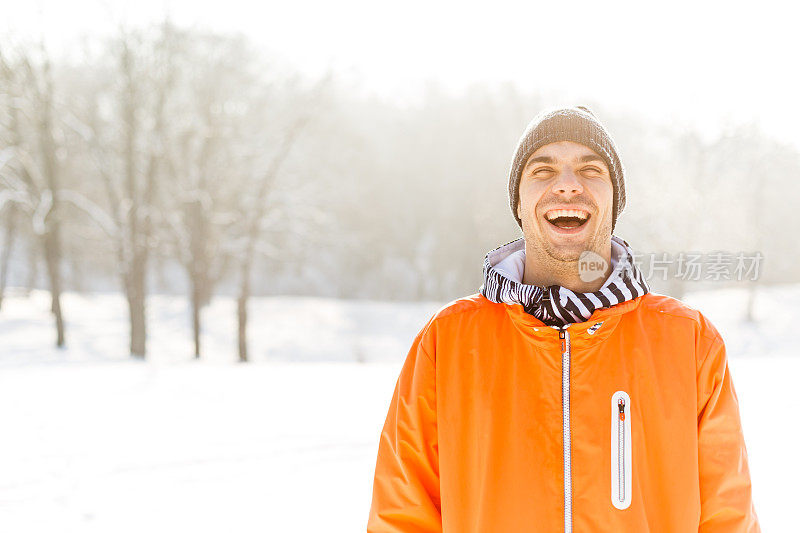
(577, 124)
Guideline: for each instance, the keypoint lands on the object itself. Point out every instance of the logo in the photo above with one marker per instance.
(591, 266)
(592, 330)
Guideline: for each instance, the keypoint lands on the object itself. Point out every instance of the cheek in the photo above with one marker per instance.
(529, 196)
(603, 194)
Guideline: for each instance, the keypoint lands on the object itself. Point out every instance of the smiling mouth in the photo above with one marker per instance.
(567, 218)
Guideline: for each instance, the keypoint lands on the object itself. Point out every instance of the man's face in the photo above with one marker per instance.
(565, 200)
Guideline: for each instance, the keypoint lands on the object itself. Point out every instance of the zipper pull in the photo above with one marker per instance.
(563, 342)
(621, 404)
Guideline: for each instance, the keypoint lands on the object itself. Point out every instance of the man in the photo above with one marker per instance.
(565, 396)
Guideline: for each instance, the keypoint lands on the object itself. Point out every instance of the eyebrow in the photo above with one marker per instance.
(550, 160)
(590, 157)
(540, 159)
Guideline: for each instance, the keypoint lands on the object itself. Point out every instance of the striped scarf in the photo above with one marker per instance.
(555, 305)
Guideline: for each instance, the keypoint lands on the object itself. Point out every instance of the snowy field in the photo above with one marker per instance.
(95, 442)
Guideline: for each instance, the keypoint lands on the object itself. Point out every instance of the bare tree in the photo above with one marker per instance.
(254, 219)
(205, 155)
(33, 177)
(126, 143)
(140, 184)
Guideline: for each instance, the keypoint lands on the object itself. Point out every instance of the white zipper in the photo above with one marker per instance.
(621, 451)
(563, 334)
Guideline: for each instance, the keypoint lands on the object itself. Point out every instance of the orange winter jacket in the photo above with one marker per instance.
(628, 422)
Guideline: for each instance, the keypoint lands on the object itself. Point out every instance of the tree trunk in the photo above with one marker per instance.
(135, 283)
(8, 241)
(196, 304)
(137, 292)
(197, 265)
(244, 295)
(136, 309)
(52, 222)
(33, 269)
(242, 315)
(52, 260)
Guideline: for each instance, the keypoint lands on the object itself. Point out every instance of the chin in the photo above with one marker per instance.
(567, 253)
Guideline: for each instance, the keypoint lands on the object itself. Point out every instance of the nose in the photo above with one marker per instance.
(567, 184)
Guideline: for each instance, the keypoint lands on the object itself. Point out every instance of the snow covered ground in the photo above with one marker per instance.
(92, 441)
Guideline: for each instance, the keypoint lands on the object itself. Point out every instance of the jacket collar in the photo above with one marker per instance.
(555, 305)
(597, 328)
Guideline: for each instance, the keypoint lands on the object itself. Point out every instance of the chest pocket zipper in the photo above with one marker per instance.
(621, 451)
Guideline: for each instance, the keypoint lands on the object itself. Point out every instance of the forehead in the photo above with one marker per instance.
(565, 151)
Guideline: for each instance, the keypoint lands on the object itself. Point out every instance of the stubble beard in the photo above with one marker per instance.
(563, 262)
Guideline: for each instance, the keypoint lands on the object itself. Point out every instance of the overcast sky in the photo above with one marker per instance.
(705, 63)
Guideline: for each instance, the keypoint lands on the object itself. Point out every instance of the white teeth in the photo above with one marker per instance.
(555, 213)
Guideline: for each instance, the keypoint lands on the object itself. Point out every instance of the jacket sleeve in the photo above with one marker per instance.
(725, 490)
(405, 493)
